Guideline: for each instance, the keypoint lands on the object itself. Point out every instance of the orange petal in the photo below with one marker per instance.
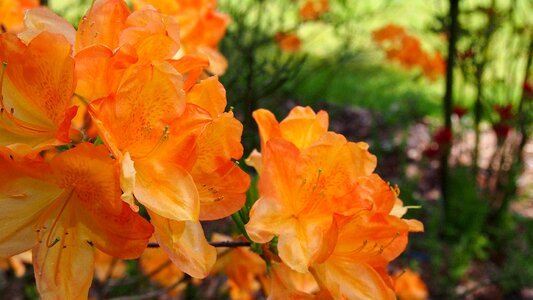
(342, 284)
(136, 119)
(302, 239)
(302, 127)
(267, 124)
(22, 200)
(267, 218)
(154, 36)
(218, 64)
(127, 181)
(124, 235)
(289, 284)
(414, 225)
(64, 270)
(37, 86)
(375, 239)
(39, 19)
(255, 160)
(99, 70)
(102, 24)
(103, 217)
(222, 192)
(92, 174)
(185, 244)
(278, 179)
(167, 190)
(218, 143)
(210, 95)
(191, 67)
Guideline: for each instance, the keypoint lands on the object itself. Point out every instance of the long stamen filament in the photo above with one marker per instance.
(164, 137)
(56, 220)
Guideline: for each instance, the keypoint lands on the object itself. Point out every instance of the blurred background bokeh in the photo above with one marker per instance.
(456, 140)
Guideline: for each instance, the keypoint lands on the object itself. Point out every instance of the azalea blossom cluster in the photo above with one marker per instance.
(117, 134)
(331, 215)
(168, 144)
(407, 50)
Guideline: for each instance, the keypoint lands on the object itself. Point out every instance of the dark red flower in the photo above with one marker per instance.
(431, 151)
(527, 89)
(460, 111)
(443, 136)
(505, 111)
(469, 53)
(501, 129)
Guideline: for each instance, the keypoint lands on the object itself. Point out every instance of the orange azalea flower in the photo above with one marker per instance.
(433, 67)
(313, 9)
(156, 265)
(201, 27)
(169, 160)
(407, 50)
(12, 14)
(304, 169)
(37, 83)
(245, 269)
(63, 209)
(331, 215)
(389, 32)
(17, 263)
(289, 42)
(410, 286)
(106, 266)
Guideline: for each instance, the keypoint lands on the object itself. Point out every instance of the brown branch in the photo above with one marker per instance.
(222, 244)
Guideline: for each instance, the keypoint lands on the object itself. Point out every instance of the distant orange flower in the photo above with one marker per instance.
(388, 32)
(12, 14)
(201, 27)
(156, 265)
(62, 210)
(313, 9)
(408, 285)
(288, 41)
(106, 266)
(433, 67)
(245, 269)
(407, 50)
(17, 263)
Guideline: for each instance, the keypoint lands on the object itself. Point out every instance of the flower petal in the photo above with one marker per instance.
(302, 126)
(40, 19)
(301, 240)
(185, 244)
(167, 190)
(367, 284)
(267, 124)
(22, 200)
(222, 192)
(267, 218)
(102, 24)
(37, 86)
(219, 142)
(64, 268)
(210, 95)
